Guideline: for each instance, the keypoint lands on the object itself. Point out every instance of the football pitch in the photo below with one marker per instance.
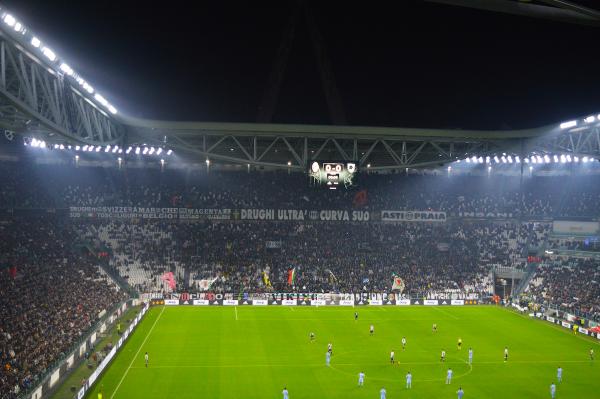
(254, 352)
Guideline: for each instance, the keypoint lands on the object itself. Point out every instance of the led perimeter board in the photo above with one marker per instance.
(333, 174)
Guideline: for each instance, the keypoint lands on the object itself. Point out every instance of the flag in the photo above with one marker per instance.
(266, 280)
(332, 277)
(292, 276)
(169, 278)
(13, 272)
(360, 199)
(398, 283)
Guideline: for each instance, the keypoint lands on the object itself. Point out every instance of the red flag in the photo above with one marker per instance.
(360, 199)
(170, 279)
(13, 272)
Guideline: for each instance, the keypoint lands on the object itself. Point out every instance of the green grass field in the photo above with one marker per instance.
(253, 352)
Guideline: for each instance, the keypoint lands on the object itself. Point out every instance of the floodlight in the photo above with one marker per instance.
(112, 109)
(517, 159)
(107, 149)
(585, 159)
(207, 161)
(98, 149)
(85, 147)
(77, 148)
(62, 147)
(503, 159)
(35, 42)
(487, 159)
(526, 160)
(556, 158)
(569, 158)
(18, 27)
(576, 159)
(152, 150)
(474, 159)
(66, 69)
(42, 144)
(10, 20)
(137, 150)
(115, 149)
(509, 159)
(468, 160)
(289, 163)
(145, 150)
(49, 53)
(87, 87)
(563, 159)
(480, 160)
(158, 152)
(496, 159)
(590, 119)
(169, 152)
(56, 146)
(566, 125)
(100, 99)
(546, 159)
(162, 161)
(539, 159)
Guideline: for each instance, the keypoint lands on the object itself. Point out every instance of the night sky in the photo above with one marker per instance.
(418, 65)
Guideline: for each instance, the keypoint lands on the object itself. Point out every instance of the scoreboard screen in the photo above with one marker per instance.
(333, 175)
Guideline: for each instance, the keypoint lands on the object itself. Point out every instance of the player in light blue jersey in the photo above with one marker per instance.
(552, 390)
(559, 374)
(408, 380)
(328, 358)
(470, 355)
(382, 393)
(361, 379)
(449, 376)
(460, 393)
(285, 393)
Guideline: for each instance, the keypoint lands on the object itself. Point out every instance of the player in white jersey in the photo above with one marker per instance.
(470, 355)
(403, 343)
(443, 356)
(285, 393)
(408, 380)
(146, 359)
(460, 393)
(327, 358)
(559, 374)
(552, 390)
(382, 393)
(392, 354)
(449, 376)
(371, 329)
(361, 379)
(505, 354)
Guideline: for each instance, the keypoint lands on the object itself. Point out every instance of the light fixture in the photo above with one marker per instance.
(49, 53)
(35, 42)
(566, 125)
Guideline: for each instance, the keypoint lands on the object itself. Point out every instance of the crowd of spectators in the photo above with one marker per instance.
(572, 284)
(50, 295)
(29, 185)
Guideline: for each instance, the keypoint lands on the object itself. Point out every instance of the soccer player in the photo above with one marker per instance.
(146, 359)
(449, 376)
(408, 380)
(470, 355)
(443, 356)
(505, 354)
(355, 316)
(403, 343)
(392, 357)
(459, 343)
(552, 390)
(330, 348)
(361, 379)
(285, 393)
(328, 358)
(382, 393)
(591, 353)
(371, 329)
(434, 327)
(559, 374)
(460, 393)
(312, 337)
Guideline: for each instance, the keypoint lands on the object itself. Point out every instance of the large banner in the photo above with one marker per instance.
(133, 212)
(575, 228)
(413, 216)
(327, 215)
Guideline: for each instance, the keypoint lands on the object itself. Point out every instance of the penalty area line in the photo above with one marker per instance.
(136, 354)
